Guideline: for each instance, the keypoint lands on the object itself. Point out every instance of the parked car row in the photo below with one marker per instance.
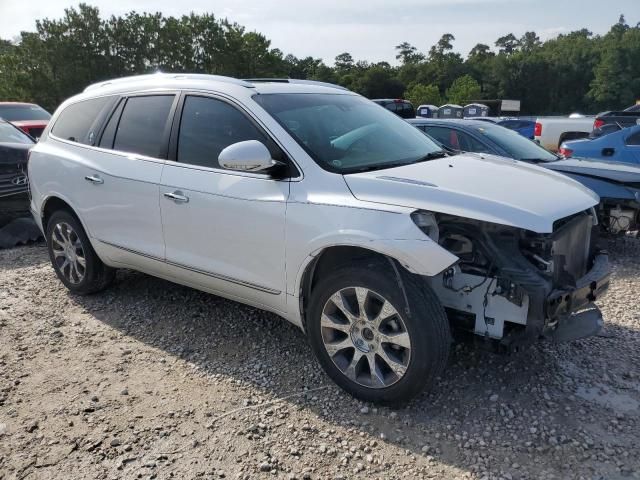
(552, 132)
(617, 184)
(312, 202)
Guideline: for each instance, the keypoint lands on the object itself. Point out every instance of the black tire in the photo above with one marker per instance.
(421, 312)
(96, 276)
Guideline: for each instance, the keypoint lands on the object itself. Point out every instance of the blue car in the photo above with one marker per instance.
(523, 127)
(620, 146)
(617, 184)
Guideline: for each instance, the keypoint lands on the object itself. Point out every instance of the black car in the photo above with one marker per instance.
(14, 186)
(400, 107)
(617, 184)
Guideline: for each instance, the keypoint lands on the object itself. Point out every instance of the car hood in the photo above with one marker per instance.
(615, 171)
(14, 153)
(483, 187)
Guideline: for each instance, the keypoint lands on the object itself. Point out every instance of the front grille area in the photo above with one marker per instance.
(570, 248)
(564, 255)
(13, 183)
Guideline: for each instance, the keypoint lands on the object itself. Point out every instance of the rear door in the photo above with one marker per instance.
(223, 230)
(117, 184)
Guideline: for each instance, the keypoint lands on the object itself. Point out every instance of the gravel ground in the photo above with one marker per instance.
(153, 380)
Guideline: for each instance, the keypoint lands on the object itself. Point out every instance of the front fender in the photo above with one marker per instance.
(392, 234)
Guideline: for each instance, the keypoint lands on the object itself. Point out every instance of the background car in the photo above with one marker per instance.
(617, 184)
(550, 132)
(526, 128)
(626, 118)
(31, 118)
(620, 146)
(402, 108)
(14, 148)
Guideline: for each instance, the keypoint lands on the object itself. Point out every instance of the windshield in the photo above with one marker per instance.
(348, 133)
(10, 134)
(16, 113)
(517, 146)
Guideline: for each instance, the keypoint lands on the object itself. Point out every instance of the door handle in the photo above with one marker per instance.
(177, 196)
(94, 179)
(608, 152)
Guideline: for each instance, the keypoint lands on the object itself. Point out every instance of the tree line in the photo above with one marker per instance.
(577, 71)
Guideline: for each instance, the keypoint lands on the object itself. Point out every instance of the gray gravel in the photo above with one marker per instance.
(154, 380)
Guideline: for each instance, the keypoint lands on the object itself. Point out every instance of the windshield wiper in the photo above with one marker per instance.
(538, 160)
(433, 156)
(383, 166)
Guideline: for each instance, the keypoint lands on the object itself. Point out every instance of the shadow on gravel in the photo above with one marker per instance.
(502, 404)
(23, 256)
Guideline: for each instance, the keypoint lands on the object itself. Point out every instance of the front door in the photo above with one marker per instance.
(223, 230)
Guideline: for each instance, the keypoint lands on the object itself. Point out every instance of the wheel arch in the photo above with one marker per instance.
(330, 258)
(336, 256)
(54, 203)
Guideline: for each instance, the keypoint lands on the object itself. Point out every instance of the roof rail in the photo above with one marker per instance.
(169, 76)
(295, 81)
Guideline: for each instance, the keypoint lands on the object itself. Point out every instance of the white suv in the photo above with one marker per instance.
(312, 202)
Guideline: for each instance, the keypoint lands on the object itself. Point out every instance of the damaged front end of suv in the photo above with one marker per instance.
(516, 286)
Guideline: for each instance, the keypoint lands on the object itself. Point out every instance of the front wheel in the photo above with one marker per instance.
(379, 339)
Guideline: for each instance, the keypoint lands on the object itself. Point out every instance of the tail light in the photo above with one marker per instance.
(565, 152)
(598, 123)
(537, 131)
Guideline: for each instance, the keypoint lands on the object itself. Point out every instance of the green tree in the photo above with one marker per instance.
(420, 94)
(507, 44)
(344, 62)
(408, 54)
(529, 42)
(463, 90)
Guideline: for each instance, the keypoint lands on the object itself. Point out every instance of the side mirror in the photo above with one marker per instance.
(247, 156)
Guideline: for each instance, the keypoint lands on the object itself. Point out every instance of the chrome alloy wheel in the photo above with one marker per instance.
(365, 337)
(68, 253)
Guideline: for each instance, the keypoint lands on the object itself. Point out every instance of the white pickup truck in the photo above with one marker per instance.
(550, 132)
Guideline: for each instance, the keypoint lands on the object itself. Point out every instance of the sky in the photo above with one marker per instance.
(368, 29)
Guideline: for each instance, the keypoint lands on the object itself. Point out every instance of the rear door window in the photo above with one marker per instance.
(79, 121)
(446, 136)
(143, 124)
(106, 141)
(470, 144)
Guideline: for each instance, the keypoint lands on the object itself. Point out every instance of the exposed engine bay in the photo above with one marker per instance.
(619, 218)
(514, 285)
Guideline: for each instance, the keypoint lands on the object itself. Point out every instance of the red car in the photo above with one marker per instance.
(29, 117)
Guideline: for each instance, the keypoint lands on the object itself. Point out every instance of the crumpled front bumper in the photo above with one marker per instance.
(572, 312)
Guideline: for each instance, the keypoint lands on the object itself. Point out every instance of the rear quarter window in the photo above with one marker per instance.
(633, 139)
(78, 122)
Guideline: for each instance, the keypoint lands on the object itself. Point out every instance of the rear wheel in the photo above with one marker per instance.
(379, 339)
(75, 262)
